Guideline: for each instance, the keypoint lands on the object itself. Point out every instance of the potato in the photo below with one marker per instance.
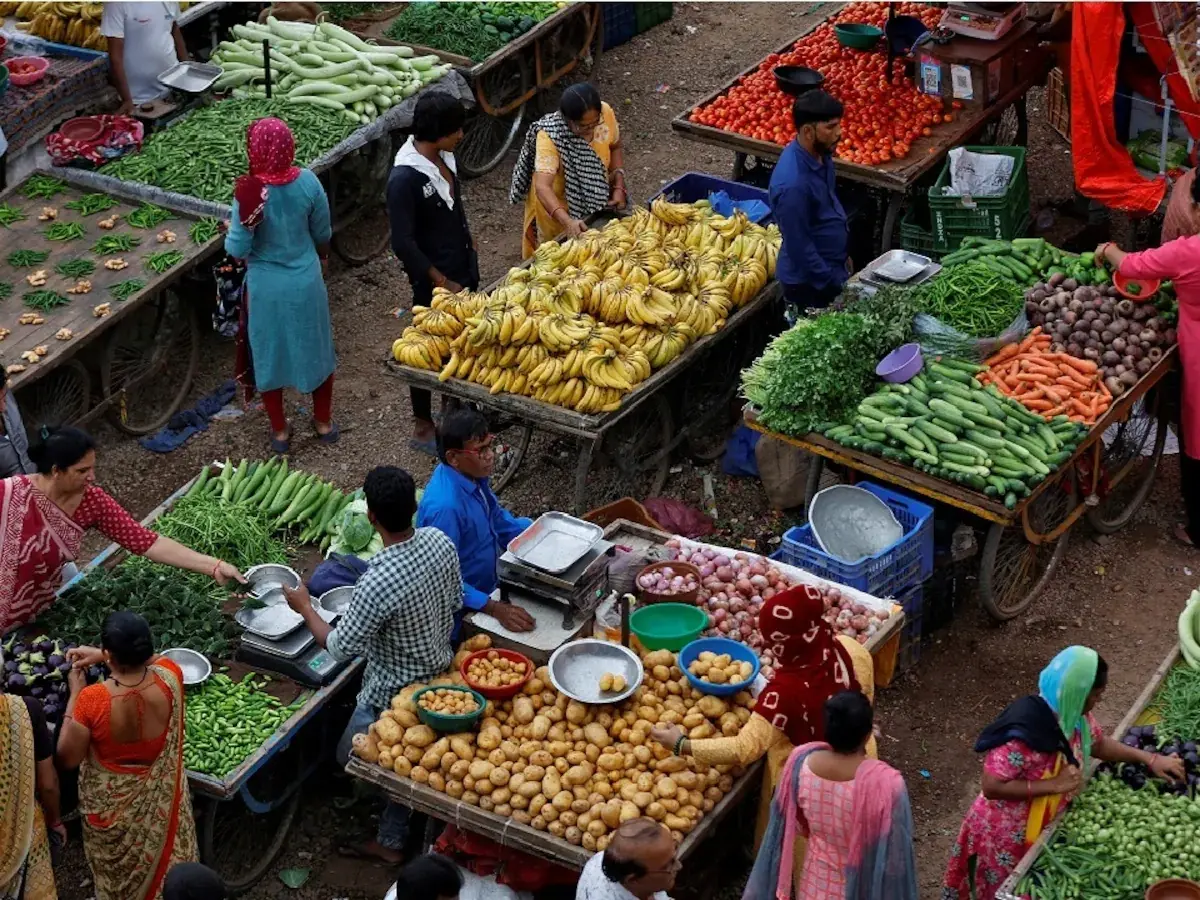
(533, 686)
(459, 770)
(366, 747)
(501, 795)
(405, 719)
(702, 731)
(679, 823)
(497, 757)
(539, 823)
(629, 810)
(627, 791)
(523, 710)
(665, 787)
(557, 748)
(562, 801)
(695, 799)
(642, 755)
(573, 836)
(534, 773)
(558, 829)
(536, 803)
(480, 768)
(549, 813)
(430, 759)
(486, 804)
(390, 732)
(437, 782)
(402, 767)
(419, 774)
(576, 712)
(611, 762)
(610, 813)
(580, 806)
(529, 789)
(643, 799)
(519, 815)
(413, 754)
(670, 804)
(498, 776)
(417, 736)
(658, 658)
(596, 735)
(448, 761)
(605, 788)
(656, 811)
(463, 746)
(591, 753)
(671, 765)
(691, 720)
(385, 758)
(661, 673)
(540, 727)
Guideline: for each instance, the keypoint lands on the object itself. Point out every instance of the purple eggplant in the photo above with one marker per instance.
(15, 683)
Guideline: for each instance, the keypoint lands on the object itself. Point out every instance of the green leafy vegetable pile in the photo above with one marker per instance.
(236, 533)
(473, 30)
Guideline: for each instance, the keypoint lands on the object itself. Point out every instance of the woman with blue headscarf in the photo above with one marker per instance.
(1037, 754)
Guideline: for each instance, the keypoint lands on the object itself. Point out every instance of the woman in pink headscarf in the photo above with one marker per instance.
(280, 227)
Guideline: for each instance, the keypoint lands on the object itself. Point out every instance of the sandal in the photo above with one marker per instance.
(281, 446)
(331, 436)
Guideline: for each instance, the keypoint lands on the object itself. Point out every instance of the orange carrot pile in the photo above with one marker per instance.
(1050, 384)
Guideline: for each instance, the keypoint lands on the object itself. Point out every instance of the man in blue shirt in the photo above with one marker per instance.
(459, 502)
(812, 261)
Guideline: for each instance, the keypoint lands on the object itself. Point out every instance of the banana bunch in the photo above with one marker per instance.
(742, 278)
(617, 370)
(420, 350)
(707, 309)
(650, 306)
(502, 320)
(674, 213)
(63, 23)
(609, 300)
(461, 305)
(436, 322)
(560, 333)
(665, 343)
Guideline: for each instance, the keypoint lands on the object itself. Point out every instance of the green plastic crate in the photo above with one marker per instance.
(916, 239)
(647, 15)
(993, 217)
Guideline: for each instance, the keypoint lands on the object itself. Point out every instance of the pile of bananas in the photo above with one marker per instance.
(591, 317)
(64, 23)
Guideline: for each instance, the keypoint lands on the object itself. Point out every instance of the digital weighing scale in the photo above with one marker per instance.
(985, 21)
(296, 655)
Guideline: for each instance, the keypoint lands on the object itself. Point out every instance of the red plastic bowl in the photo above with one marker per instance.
(494, 693)
(83, 128)
(1149, 287)
(26, 70)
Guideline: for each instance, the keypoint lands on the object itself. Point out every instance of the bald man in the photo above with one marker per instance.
(639, 864)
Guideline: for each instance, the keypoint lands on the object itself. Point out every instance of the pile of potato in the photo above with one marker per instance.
(496, 671)
(449, 702)
(720, 668)
(572, 770)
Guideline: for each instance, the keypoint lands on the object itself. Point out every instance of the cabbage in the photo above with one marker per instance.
(354, 530)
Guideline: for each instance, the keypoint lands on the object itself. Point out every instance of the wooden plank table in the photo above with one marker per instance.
(77, 315)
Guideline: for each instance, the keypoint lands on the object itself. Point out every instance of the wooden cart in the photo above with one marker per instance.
(144, 352)
(1107, 482)
(636, 440)
(241, 840)
(1137, 715)
(1004, 123)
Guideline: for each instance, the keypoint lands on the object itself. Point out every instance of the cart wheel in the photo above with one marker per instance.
(365, 238)
(149, 363)
(1128, 447)
(637, 454)
(60, 398)
(1013, 571)
(510, 454)
(487, 139)
(239, 845)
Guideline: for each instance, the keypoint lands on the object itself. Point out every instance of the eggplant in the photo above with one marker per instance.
(38, 691)
(11, 666)
(16, 683)
(56, 660)
(1132, 740)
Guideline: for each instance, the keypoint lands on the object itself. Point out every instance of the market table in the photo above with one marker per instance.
(72, 86)
(1024, 544)
(151, 334)
(897, 177)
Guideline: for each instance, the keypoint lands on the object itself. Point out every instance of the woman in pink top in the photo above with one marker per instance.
(1179, 261)
(853, 810)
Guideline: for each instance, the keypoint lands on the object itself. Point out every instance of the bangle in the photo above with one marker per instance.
(1153, 757)
(216, 566)
(619, 170)
(679, 744)
(554, 213)
(1029, 790)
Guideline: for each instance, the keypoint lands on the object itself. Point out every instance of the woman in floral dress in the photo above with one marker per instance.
(1032, 768)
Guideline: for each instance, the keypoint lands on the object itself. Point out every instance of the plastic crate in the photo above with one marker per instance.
(887, 573)
(916, 239)
(620, 24)
(913, 601)
(693, 186)
(997, 217)
(648, 15)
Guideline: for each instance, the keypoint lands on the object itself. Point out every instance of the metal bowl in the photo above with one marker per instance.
(195, 666)
(335, 601)
(576, 669)
(270, 577)
(851, 523)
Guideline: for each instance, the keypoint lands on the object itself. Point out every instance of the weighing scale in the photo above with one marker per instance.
(985, 21)
(295, 655)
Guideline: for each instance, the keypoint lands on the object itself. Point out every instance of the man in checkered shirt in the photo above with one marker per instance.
(399, 618)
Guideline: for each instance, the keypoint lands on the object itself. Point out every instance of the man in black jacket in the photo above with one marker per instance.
(430, 235)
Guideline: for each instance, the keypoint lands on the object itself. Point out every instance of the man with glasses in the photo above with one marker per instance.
(641, 863)
(14, 443)
(459, 502)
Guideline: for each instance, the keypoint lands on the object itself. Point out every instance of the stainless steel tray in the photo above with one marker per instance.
(195, 667)
(576, 668)
(915, 267)
(190, 77)
(276, 619)
(555, 542)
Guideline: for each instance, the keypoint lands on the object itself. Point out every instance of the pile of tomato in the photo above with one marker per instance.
(883, 117)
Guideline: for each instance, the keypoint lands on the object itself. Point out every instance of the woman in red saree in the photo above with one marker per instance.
(44, 516)
(126, 735)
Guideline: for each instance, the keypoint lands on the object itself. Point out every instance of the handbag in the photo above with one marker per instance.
(230, 276)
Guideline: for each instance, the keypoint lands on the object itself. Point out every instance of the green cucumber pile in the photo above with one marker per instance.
(1023, 260)
(226, 721)
(946, 424)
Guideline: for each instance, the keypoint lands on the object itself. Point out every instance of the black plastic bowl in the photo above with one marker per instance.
(795, 80)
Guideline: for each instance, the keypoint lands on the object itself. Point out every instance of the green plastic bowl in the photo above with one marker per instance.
(668, 626)
(857, 36)
(443, 722)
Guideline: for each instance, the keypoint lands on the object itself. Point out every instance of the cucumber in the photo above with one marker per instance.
(898, 433)
(918, 407)
(920, 383)
(947, 455)
(985, 440)
(949, 362)
(999, 484)
(869, 412)
(286, 490)
(988, 402)
(964, 469)
(949, 412)
(973, 449)
(277, 481)
(986, 421)
(937, 432)
(950, 426)
(1010, 501)
(951, 374)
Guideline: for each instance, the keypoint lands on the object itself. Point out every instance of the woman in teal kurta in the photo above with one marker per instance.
(280, 226)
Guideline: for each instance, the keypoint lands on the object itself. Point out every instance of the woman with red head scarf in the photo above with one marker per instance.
(280, 227)
(813, 665)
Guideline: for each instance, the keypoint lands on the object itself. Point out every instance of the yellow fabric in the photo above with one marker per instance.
(1043, 809)
(538, 226)
(22, 826)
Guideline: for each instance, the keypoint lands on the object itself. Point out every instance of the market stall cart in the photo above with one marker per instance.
(1107, 478)
(130, 327)
(1002, 121)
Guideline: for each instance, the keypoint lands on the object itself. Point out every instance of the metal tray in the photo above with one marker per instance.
(190, 77)
(276, 619)
(899, 267)
(195, 667)
(576, 669)
(555, 542)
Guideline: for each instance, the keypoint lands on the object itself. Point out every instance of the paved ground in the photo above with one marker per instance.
(1120, 596)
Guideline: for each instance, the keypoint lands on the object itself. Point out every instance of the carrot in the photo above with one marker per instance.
(1005, 352)
(1083, 366)
(1056, 411)
(1072, 383)
(1029, 340)
(1037, 405)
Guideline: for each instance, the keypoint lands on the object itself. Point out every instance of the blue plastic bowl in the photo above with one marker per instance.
(718, 645)
(901, 365)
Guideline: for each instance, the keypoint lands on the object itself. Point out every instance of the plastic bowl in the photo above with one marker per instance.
(679, 567)
(718, 645)
(1149, 287)
(796, 80)
(497, 693)
(82, 128)
(901, 365)
(668, 626)
(443, 722)
(857, 36)
(24, 78)
(1173, 889)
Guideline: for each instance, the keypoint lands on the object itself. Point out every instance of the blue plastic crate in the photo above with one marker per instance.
(620, 24)
(907, 562)
(913, 601)
(695, 186)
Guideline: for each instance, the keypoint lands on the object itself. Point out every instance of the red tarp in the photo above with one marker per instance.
(1103, 168)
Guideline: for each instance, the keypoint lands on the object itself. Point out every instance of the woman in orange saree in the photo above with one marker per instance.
(24, 849)
(126, 735)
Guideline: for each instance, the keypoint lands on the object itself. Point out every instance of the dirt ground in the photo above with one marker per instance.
(1119, 595)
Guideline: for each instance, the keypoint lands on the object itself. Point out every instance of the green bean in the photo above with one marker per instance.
(6, 290)
(148, 216)
(64, 231)
(90, 204)
(115, 243)
(969, 297)
(160, 262)
(123, 290)
(42, 187)
(44, 301)
(76, 268)
(10, 214)
(204, 230)
(26, 258)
